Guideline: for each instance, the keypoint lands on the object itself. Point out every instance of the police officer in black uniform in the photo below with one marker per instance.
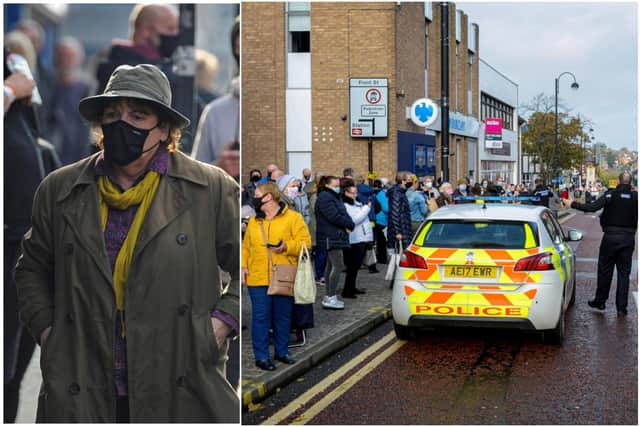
(619, 221)
(542, 192)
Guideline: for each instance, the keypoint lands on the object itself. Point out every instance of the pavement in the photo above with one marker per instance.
(333, 330)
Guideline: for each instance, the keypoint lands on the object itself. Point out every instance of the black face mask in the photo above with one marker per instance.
(123, 143)
(255, 178)
(408, 185)
(307, 178)
(168, 44)
(256, 202)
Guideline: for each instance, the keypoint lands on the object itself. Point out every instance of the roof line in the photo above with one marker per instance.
(494, 69)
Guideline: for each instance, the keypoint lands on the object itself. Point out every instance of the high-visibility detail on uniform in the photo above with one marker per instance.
(505, 259)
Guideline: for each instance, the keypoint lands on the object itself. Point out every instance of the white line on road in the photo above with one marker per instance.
(307, 396)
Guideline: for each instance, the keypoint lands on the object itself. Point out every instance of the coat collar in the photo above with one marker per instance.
(179, 167)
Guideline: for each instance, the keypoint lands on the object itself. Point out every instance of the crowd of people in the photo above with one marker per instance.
(351, 226)
(52, 120)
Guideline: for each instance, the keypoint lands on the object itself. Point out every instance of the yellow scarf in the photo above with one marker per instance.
(110, 196)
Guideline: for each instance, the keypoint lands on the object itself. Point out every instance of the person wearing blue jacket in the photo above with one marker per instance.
(417, 206)
(381, 206)
(333, 225)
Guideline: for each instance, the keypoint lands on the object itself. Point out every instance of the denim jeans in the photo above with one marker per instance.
(265, 311)
(320, 261)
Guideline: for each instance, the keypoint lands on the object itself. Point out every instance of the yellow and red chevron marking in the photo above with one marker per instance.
(483, 257)
(518, 299)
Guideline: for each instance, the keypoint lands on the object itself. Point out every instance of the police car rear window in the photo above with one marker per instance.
(478, 235)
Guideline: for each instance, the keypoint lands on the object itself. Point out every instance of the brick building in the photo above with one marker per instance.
(297, 62)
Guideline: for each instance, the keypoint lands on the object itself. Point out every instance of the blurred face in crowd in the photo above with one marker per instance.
(351, 192)
(334, 184)
(69, 58)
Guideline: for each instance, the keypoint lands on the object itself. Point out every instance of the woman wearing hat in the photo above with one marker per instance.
(119, 279)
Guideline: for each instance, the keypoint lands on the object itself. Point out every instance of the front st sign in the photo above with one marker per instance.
(368, 107)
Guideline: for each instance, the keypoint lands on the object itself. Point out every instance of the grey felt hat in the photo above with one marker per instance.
(145, 81)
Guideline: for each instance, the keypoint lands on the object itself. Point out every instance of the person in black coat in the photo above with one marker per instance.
(541, 191)
(619, 221)
(399, 227)
(333, 224)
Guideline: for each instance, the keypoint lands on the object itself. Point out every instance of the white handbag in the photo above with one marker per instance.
(304, 288)
(394, 260)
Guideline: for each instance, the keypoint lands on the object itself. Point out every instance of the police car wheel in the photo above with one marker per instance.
(555, 335)
(404, 333)
(572, 300)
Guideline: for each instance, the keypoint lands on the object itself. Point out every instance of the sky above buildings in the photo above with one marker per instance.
(533, 43)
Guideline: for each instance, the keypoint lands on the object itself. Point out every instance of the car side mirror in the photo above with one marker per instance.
(575, 235)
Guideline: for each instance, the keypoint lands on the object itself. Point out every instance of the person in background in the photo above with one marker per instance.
(485, 185)
(43, 75)
(21, 159)
(249, 188)
(285, 233)
(218, 135)
(207, 66)
(476, 191)
(461, 191)
(381, 206)
(542, 192)
(68, 131)
(429, 190)
(399, 223)
(271, 168)
(306, 177)
(417, 205)
(153, 38)
(348, 173)
(446, 195)
(619, 221)
(83, 294)
(289, 187)
(366, 195)
(319, 252)
(359, 238)
(333, 224)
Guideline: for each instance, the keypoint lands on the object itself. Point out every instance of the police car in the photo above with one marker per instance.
(487, 265)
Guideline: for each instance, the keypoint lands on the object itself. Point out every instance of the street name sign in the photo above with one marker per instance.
(368, 107)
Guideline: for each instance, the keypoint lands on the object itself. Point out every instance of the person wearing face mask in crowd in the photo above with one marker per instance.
(485, 185)
(461, 191)
(116, 281)
(248, 189)
(429, 190)
(446, 195)
(290, 187)
(284, 231)
(359, 238)
(333, 225)
(271, 169)
(306, 177)
(381, 208)
(399, 225)
(153, 38)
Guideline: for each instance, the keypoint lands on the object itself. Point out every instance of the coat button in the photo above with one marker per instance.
(69, 317)
(182, 239)
(68, 248)
(74, 389)
(182, 381)
(182, 310)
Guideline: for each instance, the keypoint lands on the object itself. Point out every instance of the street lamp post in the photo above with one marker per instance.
(574, 86)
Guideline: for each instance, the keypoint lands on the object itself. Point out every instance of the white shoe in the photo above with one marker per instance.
(332, 303)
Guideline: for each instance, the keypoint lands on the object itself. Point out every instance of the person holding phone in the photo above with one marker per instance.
(280, 230)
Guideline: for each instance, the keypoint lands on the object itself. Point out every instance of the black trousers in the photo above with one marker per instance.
(353, 259)
(122, 410)
(616, 249)
(18, 344)
(381, 244)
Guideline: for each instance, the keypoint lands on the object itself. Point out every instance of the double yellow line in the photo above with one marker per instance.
(341, 388)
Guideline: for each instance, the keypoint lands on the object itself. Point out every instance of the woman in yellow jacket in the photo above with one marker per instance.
(285, 232)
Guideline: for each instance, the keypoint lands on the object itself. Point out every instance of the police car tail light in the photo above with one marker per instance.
(538, 262)
(411, 260)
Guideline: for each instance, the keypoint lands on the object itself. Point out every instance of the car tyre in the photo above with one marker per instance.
(572, 300)
(555, 335)
(404, 333)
